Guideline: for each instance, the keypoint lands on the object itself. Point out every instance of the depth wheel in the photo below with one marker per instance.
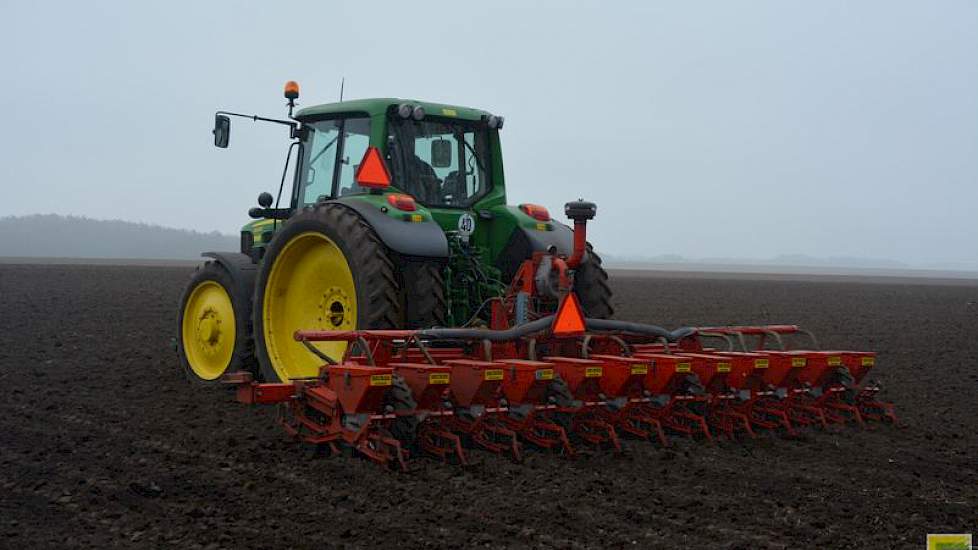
(404, 427)
(325, 270)
(214, 326)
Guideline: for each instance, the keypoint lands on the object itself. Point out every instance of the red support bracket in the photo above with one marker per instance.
(490, 434)
(540, 430)
(634, 420)
(434, 438)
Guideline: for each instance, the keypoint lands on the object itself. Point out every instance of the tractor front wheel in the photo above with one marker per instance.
(325, 270)
(214, 326)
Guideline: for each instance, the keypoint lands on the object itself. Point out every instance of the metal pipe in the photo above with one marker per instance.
(580, 211)
(580, 244)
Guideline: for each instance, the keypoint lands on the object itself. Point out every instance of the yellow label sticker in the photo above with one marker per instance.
(682, 367)
(417, 218)
(439, 378)
(640, 369)
(545, 374)
(760, 363)
(492, 374)
(541, 227)
(798, 362)
(449, 112)
(945, 541)
(868, 361)
(592, 372)
(723, 367)
(835, 361)
(380, 380)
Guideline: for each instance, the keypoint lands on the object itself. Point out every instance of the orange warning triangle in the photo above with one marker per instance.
(372, 171)
(569, 320)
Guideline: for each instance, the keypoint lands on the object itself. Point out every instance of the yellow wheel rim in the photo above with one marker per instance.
(208, 330)
(310, 287)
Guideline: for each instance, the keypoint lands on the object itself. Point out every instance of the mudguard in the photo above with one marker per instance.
(523, 242)
(425, 239)
(242, 270)
(561, 237)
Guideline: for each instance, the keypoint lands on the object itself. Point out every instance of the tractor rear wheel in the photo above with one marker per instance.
(425, 304)
(591, 287)
(326, 269)
(214, 325)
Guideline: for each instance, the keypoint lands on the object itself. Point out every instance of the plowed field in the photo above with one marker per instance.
(103, 442)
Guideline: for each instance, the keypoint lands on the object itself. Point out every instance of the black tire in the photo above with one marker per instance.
(425, 304)
(843, 377)
(243, 356)
(404, 427)
(378, 306)
(591, 287)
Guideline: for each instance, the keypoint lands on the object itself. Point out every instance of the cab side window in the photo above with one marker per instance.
(320, 161)
(356, 139)
(333, 150)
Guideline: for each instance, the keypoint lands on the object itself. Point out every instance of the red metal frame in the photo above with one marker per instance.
(594, 389)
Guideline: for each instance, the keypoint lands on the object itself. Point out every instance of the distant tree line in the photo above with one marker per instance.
(56, 236)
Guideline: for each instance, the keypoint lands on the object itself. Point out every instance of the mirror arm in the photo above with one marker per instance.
(291, 124)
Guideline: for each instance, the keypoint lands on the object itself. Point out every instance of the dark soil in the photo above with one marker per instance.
(104, 443)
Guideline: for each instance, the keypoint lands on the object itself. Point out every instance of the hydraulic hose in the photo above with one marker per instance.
(543, 324)
(640, 329)
(514, 333)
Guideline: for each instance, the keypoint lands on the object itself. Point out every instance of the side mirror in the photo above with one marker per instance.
(441, 153)
(222, 131)
(265, 199)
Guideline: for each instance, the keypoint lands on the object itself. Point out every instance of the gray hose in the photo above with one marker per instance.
(514, 333)
(640, 329)
(543, 324)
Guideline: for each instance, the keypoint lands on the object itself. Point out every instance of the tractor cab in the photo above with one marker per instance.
(443, 156)
(447, 159)
(441, 163)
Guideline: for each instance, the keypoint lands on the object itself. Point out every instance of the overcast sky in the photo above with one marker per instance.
(705, 129)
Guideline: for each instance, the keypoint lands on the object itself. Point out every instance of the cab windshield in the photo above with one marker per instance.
(442, 163)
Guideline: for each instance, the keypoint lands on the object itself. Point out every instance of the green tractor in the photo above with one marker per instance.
(396, 218)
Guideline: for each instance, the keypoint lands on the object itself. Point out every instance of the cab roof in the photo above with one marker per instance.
(378, 106)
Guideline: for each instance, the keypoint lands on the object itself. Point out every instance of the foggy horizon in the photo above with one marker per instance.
(825, 130)
(56, 236)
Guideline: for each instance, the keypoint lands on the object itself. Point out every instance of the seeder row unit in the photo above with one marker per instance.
(562, 382)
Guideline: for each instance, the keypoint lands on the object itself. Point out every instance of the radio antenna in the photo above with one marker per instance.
(342, 83)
